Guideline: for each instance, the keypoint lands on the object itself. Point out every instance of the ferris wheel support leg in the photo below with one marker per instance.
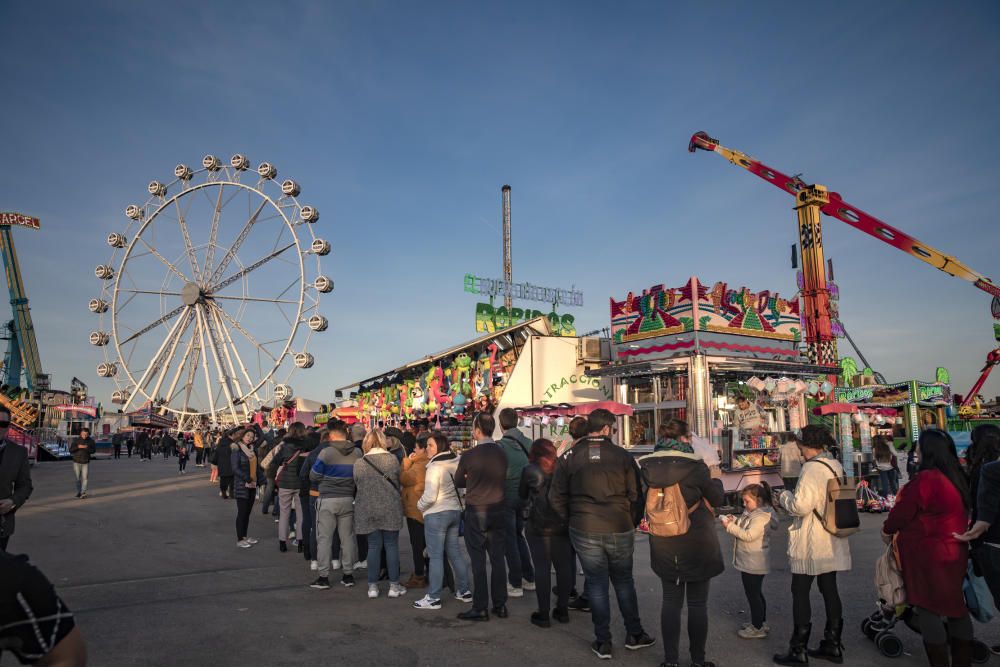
(204, 365)
(180, 369)
(223, 379)
(226, 344)
(154, 363)
(165, 365)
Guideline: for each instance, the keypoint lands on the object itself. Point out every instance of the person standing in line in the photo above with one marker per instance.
(223, 463)
(751, 553)
(199, 448)
(548, 535)
(931, 509)
(885, 462)
(578, 429)
(378, 510)
(116, 445)
(595, 487)
(813, 552)
(129, 443)
(15, 480)
(482, 472)
(441, 507)
(243, 461)
(267, 454)
(411, 477)
(685, 563)
(167, 442)
(182, 457)
(333, 474)
(520, 573)
(145, 446)
(791, 463)
(80, 450)
(285, 466)
(312, 497)
(358, 434)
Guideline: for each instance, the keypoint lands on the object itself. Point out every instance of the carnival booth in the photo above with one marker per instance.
(726, 361)
(522, 365)
(551, 420)
(919, 404)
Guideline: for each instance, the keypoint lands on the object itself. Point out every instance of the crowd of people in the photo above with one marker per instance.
(341, 495)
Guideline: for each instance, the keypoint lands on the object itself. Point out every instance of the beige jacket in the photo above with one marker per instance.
(812, 550)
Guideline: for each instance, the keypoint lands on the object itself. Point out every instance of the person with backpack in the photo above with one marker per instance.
(595, 487)
(683, 543)
(378, 510)
(547, 534)
(751, 553)
(520, 573)
(929, 510)
(815, 552)
(286, 465)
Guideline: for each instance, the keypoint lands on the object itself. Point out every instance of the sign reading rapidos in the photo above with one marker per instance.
(10, 218)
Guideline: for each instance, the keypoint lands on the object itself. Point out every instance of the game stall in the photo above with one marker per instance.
(727, 361)
(919, 404)
(526, 364)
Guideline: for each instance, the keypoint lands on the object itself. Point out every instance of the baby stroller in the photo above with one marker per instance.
(893, 609)
(879, 627)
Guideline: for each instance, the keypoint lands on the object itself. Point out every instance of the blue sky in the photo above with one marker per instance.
(402, 120)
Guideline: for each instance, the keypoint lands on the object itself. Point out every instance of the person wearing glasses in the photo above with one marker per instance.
(15, 480)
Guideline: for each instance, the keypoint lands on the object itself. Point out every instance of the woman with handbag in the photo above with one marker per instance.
(441, 506)
(378, 510)
(286, 465)
(929, 510)
(244, 465)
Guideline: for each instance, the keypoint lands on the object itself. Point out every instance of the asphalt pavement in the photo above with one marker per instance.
(149, 564)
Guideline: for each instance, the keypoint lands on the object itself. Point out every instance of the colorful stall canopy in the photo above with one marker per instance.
(835, 409)
(572, 410)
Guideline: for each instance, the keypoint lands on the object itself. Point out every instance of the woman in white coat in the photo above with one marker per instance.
(814, 553)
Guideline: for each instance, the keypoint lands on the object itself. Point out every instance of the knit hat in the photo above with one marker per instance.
(358, 432)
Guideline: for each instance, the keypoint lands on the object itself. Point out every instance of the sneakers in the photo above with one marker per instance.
(765, 627)
(464, 596)
(334, 564)
(361, 565)
(347, 580)
(83, 495)
(580, 604)
(395, 590)
(322, 583)
(372, 591)
(426, 602)
(252, 540)
(636, 642)
(528, 585)
(243, 544)
(313, 565)
(751, 632)
(513, 592)
(601, 649)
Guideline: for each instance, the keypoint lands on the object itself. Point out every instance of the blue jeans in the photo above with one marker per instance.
(603, 557)
(375, 541)
(516, 547)
(80, 470)
(887, 482)
(441, 533)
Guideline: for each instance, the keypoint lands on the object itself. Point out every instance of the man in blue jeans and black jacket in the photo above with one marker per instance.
(596, 487)
(516, 445)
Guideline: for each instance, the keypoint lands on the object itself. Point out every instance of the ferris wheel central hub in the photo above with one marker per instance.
(192, 294)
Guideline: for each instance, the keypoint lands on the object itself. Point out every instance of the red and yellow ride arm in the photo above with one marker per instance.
(855, 217)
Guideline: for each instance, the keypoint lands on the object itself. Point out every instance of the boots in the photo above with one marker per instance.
(830, 647)
(937, 655)
(961, 652)
(797, 654)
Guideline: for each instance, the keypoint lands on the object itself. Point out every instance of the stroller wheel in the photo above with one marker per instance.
(865, 623)
(872, 631)
(980, 652)
(889, 644)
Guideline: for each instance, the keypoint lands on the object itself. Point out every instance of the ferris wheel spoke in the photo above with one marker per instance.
(188, 245)
(149, 327)
(246, 334)
(168, 359)
(231, 253)
(213, 234)
(145, 291)
(154, 362)
(244, 271)
(251, 298)
(180, 369)
(204, 365)
(227, 343)
(165, 261)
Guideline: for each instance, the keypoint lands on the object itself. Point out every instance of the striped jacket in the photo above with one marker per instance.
(333, 470)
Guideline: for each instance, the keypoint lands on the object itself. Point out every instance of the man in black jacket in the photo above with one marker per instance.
(482, 471)
(80, 449)
(596, 487)
(223, 462)
(15, 480)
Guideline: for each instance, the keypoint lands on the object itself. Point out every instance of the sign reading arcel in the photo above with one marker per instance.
(10, 218)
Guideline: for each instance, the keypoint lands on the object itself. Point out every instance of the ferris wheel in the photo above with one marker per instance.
(212, 293)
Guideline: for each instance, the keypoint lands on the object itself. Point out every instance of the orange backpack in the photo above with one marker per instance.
(667, 513)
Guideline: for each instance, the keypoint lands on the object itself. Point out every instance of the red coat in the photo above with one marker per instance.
(928, 510)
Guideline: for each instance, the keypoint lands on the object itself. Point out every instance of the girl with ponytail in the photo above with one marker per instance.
(751, 542)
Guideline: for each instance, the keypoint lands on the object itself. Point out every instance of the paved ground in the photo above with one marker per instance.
(149, 565)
